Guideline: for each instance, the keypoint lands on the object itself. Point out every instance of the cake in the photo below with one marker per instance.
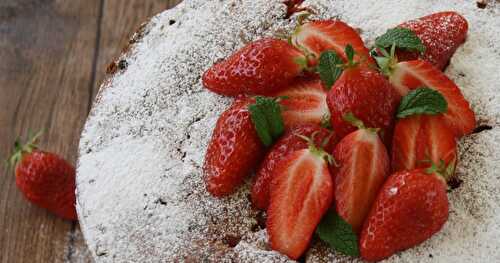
(140, 192)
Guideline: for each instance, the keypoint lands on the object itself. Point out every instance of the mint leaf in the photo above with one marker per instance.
(329, 68)
(349, 52)
(266, 117)
(338, 234)
(402, 38)
(422, 101)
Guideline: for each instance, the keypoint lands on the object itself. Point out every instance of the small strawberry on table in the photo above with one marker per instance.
(44, 178)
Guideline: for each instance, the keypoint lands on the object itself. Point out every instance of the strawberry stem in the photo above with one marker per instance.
(318, 151)
(21, 149)
(354, 121)
(441, 169)
(387, 61)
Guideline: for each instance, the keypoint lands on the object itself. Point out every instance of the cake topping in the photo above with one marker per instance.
(151, 122)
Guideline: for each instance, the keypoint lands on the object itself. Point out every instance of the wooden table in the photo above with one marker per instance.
(53, 55)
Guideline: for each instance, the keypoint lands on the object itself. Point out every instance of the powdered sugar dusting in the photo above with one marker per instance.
(141, 197)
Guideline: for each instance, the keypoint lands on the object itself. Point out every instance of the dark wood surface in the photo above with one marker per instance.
(53, 55)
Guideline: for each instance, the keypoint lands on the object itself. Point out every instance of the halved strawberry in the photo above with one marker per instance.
(318, 36)
(301, 193)
(259, 68)
(234, 150)
(288, 143)
(304, 102)
(441, 33)
(419, 139)
(362, 166)
(410, 75)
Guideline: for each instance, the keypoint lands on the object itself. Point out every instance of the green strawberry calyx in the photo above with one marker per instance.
(319, 150)
(441, 169)
(387, 60)
(20, 149)
(354, 121)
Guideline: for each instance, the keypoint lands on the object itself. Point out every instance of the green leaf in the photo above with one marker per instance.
(338, 234)
(349, 52)
(329, 67)
(422, 101)
(267, 120)
(402, 38)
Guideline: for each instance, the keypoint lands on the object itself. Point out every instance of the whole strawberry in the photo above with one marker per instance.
(234, 150)
(289, 142)
(45, 179)
(441, 33)
(238, 141)
(410, 208)
(366, 94)
(260, 68)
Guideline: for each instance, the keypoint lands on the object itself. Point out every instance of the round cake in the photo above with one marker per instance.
(140, 190)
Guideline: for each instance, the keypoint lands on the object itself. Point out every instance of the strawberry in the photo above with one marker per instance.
(234, 150)
(362, 166)
(410, 208)
(45, 179)
(304, 102)
(368, 95)
(261, 67)
(441, 33)
(288, 143)
(410, 75)
(301, 193)
(420, 138)
(317, 36)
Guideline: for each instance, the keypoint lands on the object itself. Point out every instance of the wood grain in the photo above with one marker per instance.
(44, 84)
(53, 55)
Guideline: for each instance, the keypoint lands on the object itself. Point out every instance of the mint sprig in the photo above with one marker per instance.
(266, 117)
(422, 101)
(402, 38)
(337, 233)
(329, 67)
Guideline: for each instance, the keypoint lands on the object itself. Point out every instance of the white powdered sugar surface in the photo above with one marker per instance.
(140, 192)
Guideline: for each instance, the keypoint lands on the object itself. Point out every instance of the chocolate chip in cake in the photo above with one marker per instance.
(455, 183)
(481, 4)
(171, 22)
(231, 240)
(481, 128)
(122, 64)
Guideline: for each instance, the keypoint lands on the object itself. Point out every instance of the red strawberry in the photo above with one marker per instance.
(410, 75)
(304, 102)
(362, 166)
(287, 144)
(441, 33)
(366, 94)
(420, 138)
(301, 193)
(410, 208)
(234, 150)
(45, 179)
(261, 67)
(318, 36)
